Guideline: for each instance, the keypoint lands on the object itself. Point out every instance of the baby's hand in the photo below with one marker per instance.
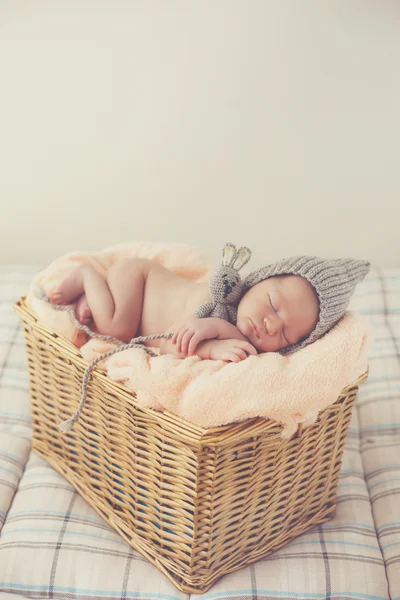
(192, 332)
(231, 350)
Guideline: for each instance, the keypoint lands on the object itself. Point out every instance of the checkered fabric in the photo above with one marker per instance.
(54, 545)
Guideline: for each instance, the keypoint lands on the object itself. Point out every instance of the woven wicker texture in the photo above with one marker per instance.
(197, 503)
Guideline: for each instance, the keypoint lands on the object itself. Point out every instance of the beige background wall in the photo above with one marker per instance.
(274, 124)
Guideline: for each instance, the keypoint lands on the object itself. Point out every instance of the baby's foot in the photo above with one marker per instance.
(83, 312)
(57, 297)
(69, 289)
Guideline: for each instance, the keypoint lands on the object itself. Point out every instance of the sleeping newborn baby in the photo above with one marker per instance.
(284, 306)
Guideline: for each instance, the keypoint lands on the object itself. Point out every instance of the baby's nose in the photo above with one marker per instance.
(271, 326)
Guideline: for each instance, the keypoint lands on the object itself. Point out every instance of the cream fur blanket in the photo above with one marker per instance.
(289, 390)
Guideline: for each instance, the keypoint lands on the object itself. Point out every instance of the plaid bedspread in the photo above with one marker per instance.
(54, 545)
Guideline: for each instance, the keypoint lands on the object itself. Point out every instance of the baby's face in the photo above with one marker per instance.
(278, 312)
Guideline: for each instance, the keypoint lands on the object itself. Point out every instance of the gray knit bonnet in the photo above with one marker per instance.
(334, 281)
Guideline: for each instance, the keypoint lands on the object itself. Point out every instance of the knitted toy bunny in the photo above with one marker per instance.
(226, 285)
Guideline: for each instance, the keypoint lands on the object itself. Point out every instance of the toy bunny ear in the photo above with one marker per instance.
(228, 254)
(242, 257)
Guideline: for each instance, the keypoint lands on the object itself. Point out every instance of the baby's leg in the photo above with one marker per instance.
(115, 303)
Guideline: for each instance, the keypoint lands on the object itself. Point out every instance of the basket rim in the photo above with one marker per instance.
(189, 431)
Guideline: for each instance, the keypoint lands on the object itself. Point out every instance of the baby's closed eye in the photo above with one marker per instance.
(283, 334)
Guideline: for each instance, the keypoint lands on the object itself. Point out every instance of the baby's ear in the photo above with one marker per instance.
(228, 254)
(242, 257)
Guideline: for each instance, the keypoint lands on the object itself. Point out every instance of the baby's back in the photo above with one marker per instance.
(168, 299)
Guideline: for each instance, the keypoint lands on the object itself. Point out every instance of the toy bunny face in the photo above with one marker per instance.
(226, 284)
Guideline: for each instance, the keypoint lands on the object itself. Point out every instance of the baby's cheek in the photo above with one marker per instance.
(270, 346)
(258, 345)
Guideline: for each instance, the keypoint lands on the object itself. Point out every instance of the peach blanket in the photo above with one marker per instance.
(289, 390)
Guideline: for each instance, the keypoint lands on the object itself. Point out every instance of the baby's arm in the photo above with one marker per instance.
(193, 330)
(203, 349)
(219, 329)
(229, 350)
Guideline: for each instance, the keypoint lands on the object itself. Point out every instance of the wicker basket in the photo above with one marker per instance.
(197, 503)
